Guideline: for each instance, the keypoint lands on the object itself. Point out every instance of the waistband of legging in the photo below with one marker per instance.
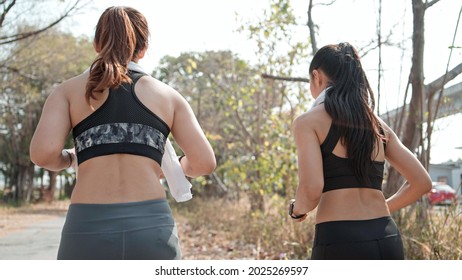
(83, 217)
(121, 204)
(343, 231)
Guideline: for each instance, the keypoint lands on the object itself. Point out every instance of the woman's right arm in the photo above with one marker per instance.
(199, 157)
(418, 180)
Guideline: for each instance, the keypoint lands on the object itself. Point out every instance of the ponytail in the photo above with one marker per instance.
(350, 102)
(118, 41)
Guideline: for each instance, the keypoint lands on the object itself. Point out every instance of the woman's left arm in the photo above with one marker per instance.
(310, 172)
(50, 135)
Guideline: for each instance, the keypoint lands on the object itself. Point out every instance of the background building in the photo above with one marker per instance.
(449, 173)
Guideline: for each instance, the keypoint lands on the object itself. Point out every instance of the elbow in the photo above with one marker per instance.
(427, 185)
(38, 154)
(208, 166)
(201, 167)
(212, 166)
(314, 190)
(314, 193)
(423, 183)
(40, 161)
(42, 158)
(309, 195)
(37, 158)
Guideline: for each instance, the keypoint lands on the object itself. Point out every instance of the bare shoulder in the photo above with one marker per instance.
(314, 119)
(156, 86)
(72, 85)
(389, 133)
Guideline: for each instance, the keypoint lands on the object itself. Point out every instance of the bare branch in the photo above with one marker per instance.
(16, 37)
(439, 83)
(5, 11)
(429, 4)
(379, 40)
(326, 4)
(288, 79)
(19, 72)
(372, 45)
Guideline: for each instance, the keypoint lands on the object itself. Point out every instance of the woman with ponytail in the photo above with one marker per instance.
(120, 119)
(342, 145)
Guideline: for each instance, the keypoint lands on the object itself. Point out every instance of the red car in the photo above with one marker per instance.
(441, 194)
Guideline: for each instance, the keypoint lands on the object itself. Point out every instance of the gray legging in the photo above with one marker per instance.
(133, 230)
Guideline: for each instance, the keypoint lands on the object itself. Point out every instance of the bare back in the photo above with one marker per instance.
(117, 177)
(347, 203)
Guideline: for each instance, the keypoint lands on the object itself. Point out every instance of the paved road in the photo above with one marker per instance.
(38, 242)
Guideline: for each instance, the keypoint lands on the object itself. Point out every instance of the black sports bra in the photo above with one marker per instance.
(122, 125)
(337, 171)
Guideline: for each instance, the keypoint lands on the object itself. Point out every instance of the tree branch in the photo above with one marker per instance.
(5, 11)
(236, 113)
(16, 37)
(439, 83)
(325, 4)
(429, 4)
(312, 28)
(288, 79)
(17, 71)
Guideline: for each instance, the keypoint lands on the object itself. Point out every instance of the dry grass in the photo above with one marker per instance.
(438, 237)
(219, 229)
(213, 228)
(224, 229)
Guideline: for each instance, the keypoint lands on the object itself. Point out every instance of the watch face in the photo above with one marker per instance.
(291, 211)
(291, 208)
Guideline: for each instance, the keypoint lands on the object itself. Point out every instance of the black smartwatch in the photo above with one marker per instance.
(291, 211)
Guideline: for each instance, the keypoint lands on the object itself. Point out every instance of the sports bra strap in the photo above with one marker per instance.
(135, 76)
(384, 140)
(333, 136)
(331, 139)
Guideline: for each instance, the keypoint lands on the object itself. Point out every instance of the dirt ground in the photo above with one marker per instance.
(16, 218)
(203, 244)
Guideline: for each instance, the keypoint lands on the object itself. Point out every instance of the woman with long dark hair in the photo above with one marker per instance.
(342, 145)
(120, 120)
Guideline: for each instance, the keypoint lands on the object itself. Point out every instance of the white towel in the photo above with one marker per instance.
(179, 186)
(320, 98)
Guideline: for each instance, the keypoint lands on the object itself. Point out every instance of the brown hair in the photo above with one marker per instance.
(121, 34)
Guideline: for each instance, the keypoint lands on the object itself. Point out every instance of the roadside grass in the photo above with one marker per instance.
(271, 234)
(438, 236)
(220, 228)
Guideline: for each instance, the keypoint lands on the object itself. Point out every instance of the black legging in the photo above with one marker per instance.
(134, 230)
(376, 239)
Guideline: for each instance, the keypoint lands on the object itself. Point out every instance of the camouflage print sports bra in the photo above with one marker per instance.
(122, 125)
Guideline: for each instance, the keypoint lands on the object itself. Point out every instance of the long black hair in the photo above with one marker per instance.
(350, 103)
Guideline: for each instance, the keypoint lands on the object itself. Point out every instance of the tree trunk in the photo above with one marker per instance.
(312, 28)
(28, 182)
(413, 132)
(257, 201)
(48, 194)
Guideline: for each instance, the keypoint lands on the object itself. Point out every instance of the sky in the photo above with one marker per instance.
(178, 26)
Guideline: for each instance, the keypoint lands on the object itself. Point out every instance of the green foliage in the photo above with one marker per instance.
(248, 119)
(277, 50)
(34, 66)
